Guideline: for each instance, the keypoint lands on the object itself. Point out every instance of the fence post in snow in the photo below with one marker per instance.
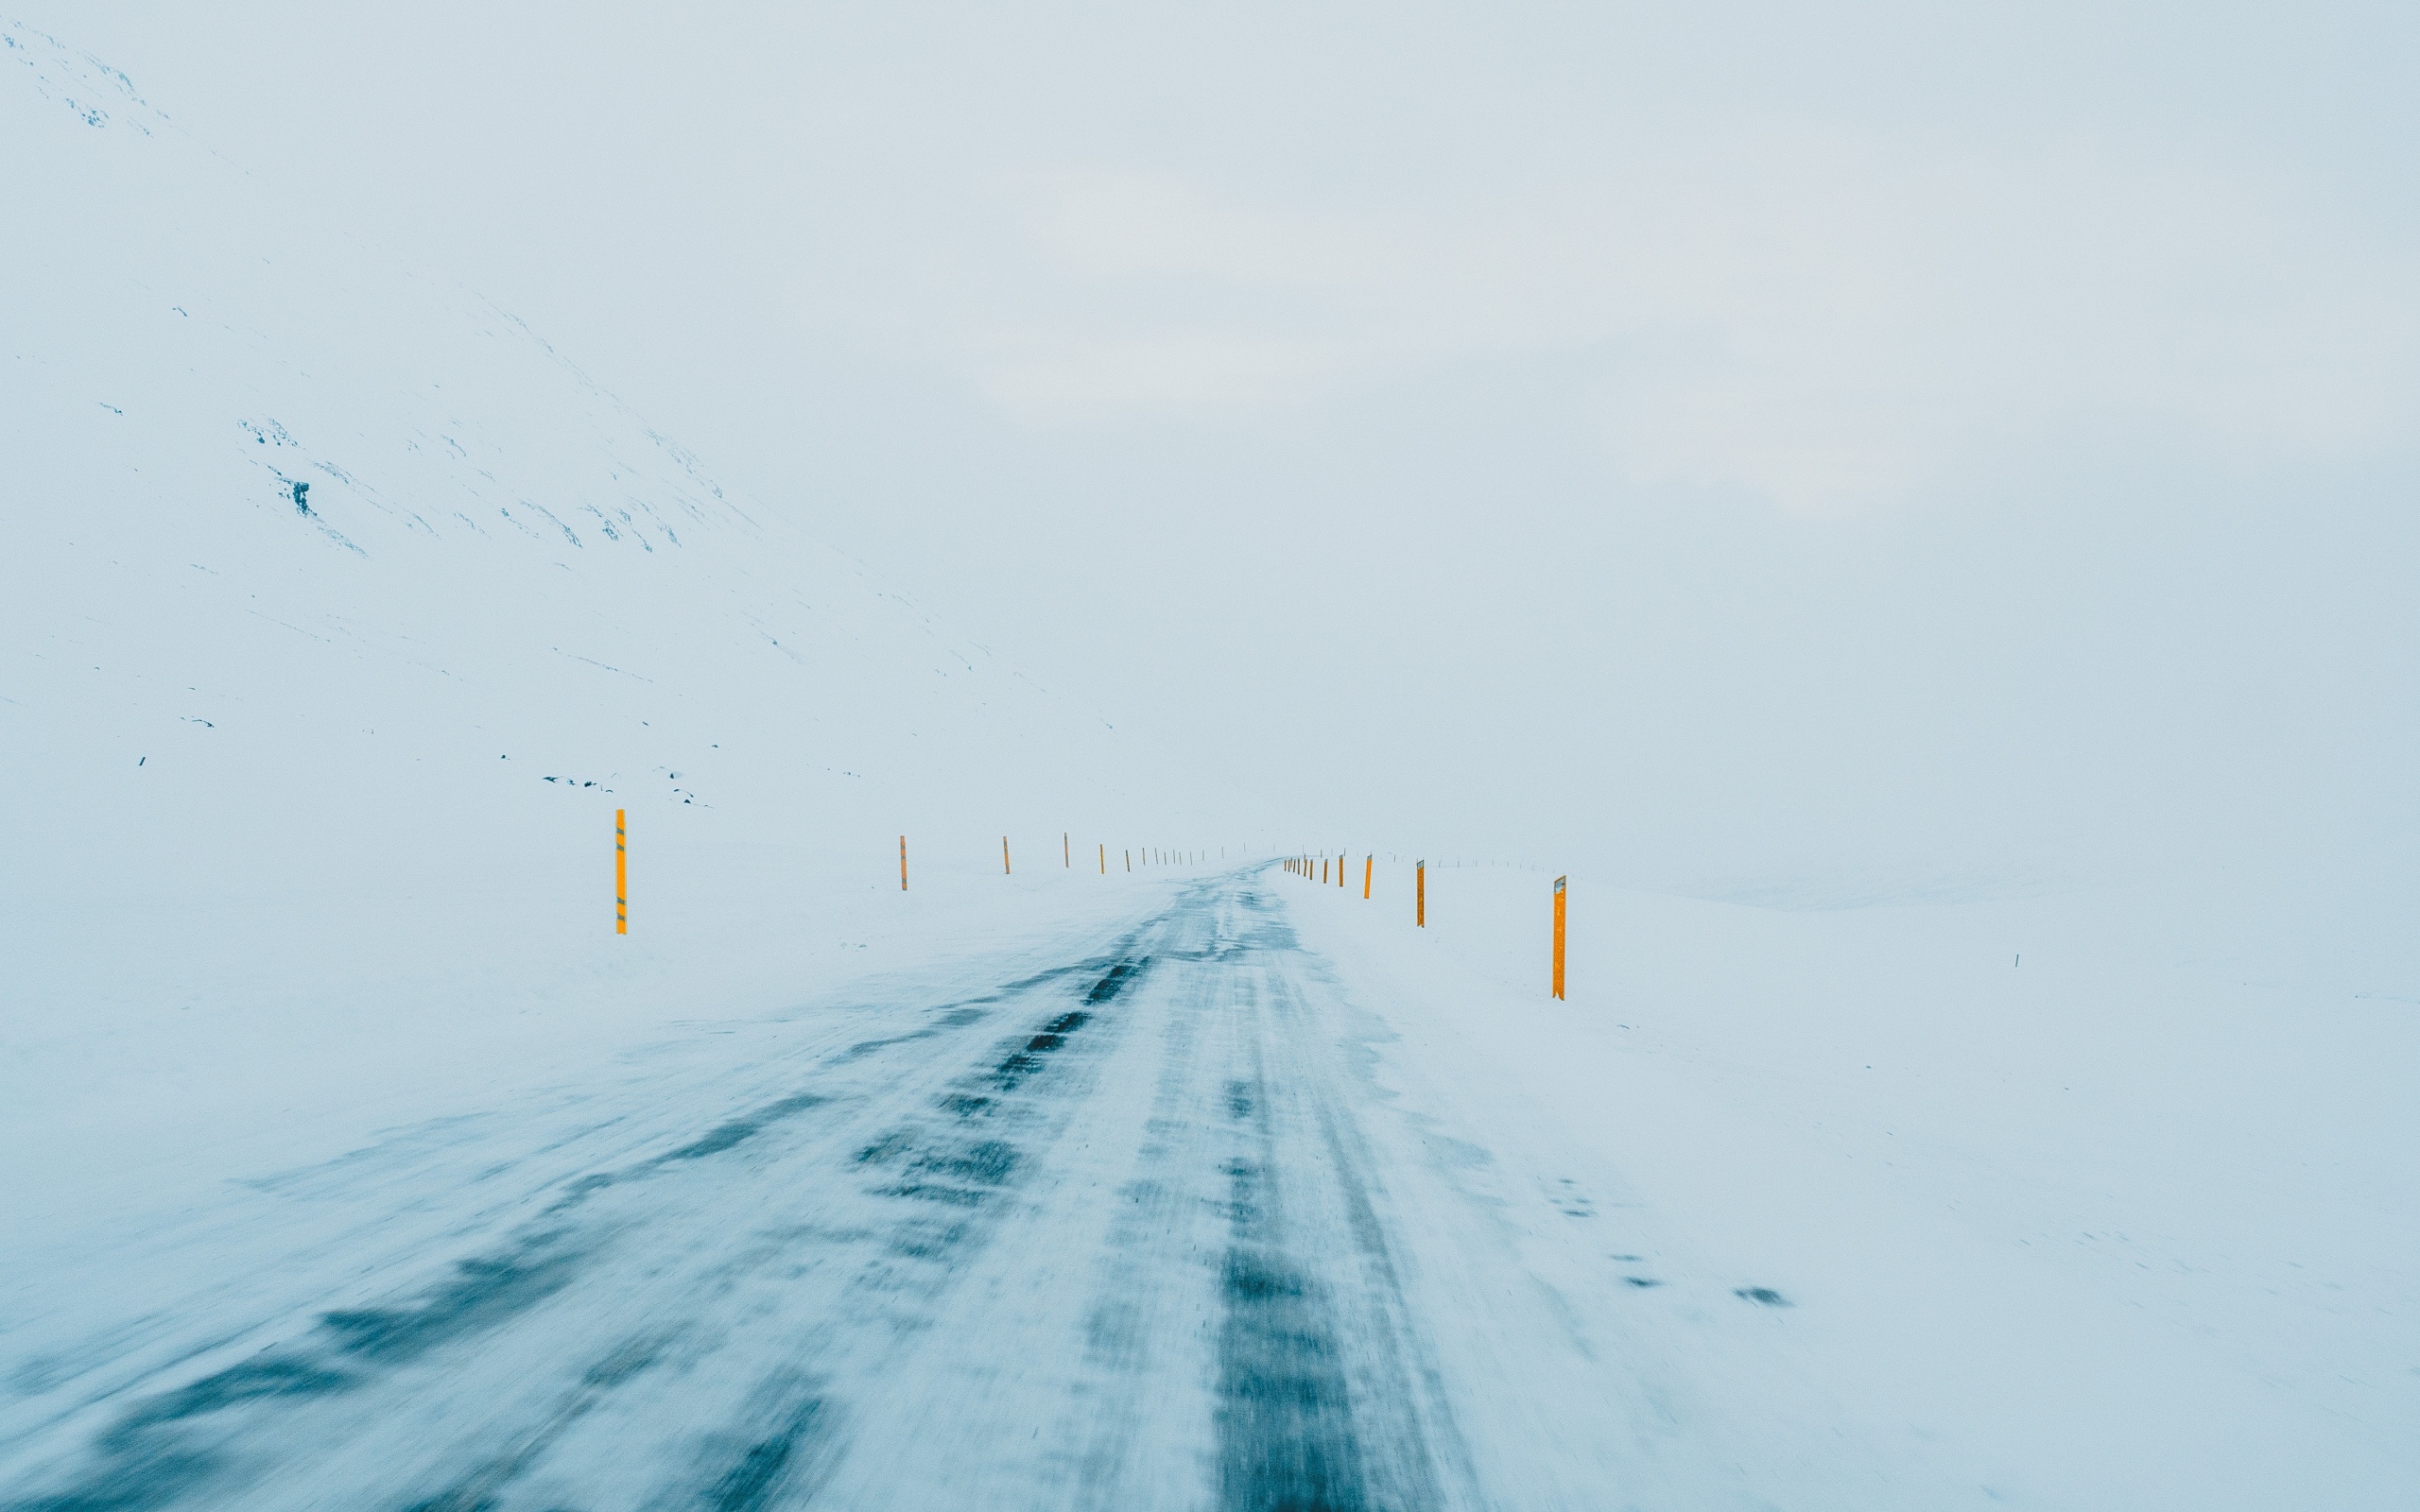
(621, 873)
(1420, 895)
(1558, 936)
(1065, 857)
(1004, 856)
(1369, 864)
(1104, 858)
(903, 863)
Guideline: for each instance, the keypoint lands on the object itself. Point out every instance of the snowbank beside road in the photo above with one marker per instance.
(2114, 1226)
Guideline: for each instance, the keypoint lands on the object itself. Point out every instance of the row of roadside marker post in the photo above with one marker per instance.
(1303, 867)
(1151, 856)
(1299, 866)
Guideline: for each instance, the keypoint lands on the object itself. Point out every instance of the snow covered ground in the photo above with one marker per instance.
(2071, 1207)
(350, 1159)
(1217, 1187)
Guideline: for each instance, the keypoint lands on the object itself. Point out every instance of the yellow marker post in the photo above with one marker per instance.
(1004, 856)
(1339, 868)
(1558, 936)
(621, 873)
(903, 863)
(1104, 858)
(1369, 865)
(1420, 895)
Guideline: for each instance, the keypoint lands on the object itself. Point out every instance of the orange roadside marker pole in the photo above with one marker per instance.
(1004, 856)
(1369, 864)
(1420, 895)
(1104, 858)
(903, 863)
(1558, 936)
(621, 873)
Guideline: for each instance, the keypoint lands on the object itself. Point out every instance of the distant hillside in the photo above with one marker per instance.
(291, 522)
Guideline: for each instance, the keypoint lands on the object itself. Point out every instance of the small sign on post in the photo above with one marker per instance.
(621, 871)
(1558, 936)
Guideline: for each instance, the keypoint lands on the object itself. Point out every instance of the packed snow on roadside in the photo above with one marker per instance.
(2083, 1198)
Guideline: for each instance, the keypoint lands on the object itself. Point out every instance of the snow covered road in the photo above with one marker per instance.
(1131, 1229)
(1215, 1190)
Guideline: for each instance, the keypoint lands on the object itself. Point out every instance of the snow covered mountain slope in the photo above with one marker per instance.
(339, 614)
(323, 575)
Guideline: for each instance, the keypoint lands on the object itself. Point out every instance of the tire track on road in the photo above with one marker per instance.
(1124, 1197)
(202, 1442)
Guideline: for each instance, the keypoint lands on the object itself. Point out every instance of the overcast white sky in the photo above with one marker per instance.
(1721, 440)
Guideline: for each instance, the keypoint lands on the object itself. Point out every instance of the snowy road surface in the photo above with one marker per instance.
(1136, 1226)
